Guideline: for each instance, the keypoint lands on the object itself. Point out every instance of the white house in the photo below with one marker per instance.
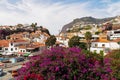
(62, 40)
(12, 46)
(102, 44)
(113, 34)
(42, 37)
(94, 37)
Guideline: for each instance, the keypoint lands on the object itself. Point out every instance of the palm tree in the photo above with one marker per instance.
(88, 37)
(33, 25)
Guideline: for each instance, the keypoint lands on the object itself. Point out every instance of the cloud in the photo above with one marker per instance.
(52, 15)
(106, 1)
(114, 9)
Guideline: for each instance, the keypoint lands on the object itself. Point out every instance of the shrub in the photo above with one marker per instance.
(75, 42)
(50, 41)
(33, 77)
(67, 64)
(115, 62)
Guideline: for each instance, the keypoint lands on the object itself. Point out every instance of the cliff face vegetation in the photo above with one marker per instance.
(116, 26)
(86, 21)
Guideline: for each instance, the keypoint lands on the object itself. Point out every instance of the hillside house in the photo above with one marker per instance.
(102, 44)
(37, 36)
(113, 34)
(12, 45)
(22, 46)
(63, 41)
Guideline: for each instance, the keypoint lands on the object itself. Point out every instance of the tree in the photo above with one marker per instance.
(82, 45)
(115, 62)
(97, 32)
(3, 33)
(87, 27)
(45, 30)
(50, 41)
(19, 25)
(88, 37)
(33, 25)
(41, 27)
(75, 42)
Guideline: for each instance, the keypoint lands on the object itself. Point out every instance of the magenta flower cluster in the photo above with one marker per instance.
(60, 63)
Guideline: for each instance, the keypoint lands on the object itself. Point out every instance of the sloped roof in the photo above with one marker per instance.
(4, 43)
(22, 47)
(100, 40)
(31, 46)
(19, 40)
(116, 40)
(16, 36)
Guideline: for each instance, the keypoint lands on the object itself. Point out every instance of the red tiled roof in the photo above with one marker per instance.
(101, 40)
(22, 47)
(32, 45)
(16, 36)
(116, 40)
(4, 43)
(19, 40)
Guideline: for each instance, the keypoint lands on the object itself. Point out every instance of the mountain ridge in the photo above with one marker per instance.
(86, 20)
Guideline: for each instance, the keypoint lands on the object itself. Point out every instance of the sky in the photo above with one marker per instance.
(54, 14)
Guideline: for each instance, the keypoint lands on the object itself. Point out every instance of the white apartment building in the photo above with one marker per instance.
(102, 44)
(13, 46)
(113, 34)
(94, 37)
(62, 40)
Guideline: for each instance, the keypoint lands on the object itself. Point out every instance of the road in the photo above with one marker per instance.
(7, 75)
(9, 66)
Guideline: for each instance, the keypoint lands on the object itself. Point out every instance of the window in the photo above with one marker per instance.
(11, 44)
(97, 38)
(6, 49)
(103, 45)
(96, 45)
(11, 49)
(0, 48)
(23, 50)
(15, 48)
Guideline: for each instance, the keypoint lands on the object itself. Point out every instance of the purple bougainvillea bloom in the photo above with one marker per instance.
(60, 63)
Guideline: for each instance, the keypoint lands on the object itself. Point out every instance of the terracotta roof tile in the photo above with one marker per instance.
(101, 40)
(116, 40)
(19, 40)
(22, 47)
(4, 43)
